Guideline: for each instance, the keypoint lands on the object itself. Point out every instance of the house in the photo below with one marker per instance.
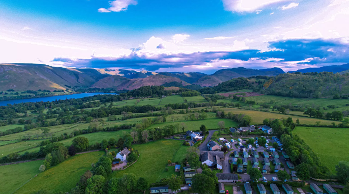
(213, 146)
(266, 129)
(245, 154)
(290, 165)
(272, 149)
(329, 189)
(248, 188)
(266, 169)
(316, 189)
(285, 156)
(188, 169)
(221, 139)
(294, 176)
(255, 154)
(275, 155)
(177, 168)
(261, 189)
(163, 189)
(255, 161)
(195, 136)
(236, 154)
(221, 188)
(235, 161)
(277, 168)
(244, 162)
(188, 181)
(228, 145)
(189, 174)
(255, 165)
(232, 129)
(240, 168)
(266, 161)
(123, 154)
(288, 189)
(266, 154)
(276, 162)
(249, 129)
(274, 189)
(212, 159)
(227, 178)
(232, 141)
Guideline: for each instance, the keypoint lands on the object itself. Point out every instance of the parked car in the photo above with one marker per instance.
(265, 179)
(226, 192)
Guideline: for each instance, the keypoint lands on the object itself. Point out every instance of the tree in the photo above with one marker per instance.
(83, 180)
(120, 143)
(104, 144)
(145, 136)
(81, 143)
(48, 161)
(112, 142)
(128, 141)
(343, 171)
(262, 141)
(283, 175)
(105, 162)
(142, 185)
(250, 141)
(95, 185)
(42, 168)
(192, 157)
(175, 182)
(132, 157)
(113, 186)
(99, 170)
(208, 172)
(224, 148)
(255, 174)
(203, 184)
(239, 161)
(346, 189)
(128, 182)
(303, 171)
(59, 155)
(72, 150)
(221, 124)
(203, 129)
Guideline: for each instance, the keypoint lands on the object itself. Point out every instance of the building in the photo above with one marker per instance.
(277, 168)
(261, 189)
(266, 129)
(236, 154)
(255, 166)
(249, 129)
(266, 161)
(221, 188)
(163, 189)
(188, 169)
(316, 189)
(189, 174)
(235, 161)
(123, 154)
(228, 145)
(244, 162)
(290, 165)
(274, 188)
(275, 154)
(213, 146)
(177, 168)
(245, 154)
(240, 168)
(285, 156)
(288, 189)
(294, 176)
(266, 154)
(329, 189)
(255, 154)
(232, 129)
(227, 178)
(188, 181)
(212, 159)
(266, 169)
(255, 161)
(248, 188)
(195, 136)
(276, 161)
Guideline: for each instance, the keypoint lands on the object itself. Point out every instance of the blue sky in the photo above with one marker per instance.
(181, 35)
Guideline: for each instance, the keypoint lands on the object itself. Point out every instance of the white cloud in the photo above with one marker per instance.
(219, 38)
(289, 6)
(247, 5)
(180, 37)
(26, 28)
(118, 5)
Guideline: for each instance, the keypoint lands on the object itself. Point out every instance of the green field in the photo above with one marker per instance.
(330, 144)
(63, 177)
(258, 116)
(14, 176)
(4, 128)
(195, 125)
(6, 142)
(17, 147)
(196, 99)
(172, 100)
(153, 160)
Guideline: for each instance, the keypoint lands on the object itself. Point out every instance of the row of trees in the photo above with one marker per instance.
(316, 113)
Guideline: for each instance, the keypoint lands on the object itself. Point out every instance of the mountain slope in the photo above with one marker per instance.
(332, 68)
(228, 74)
(121, 83)
(191, 77)
(37, 76)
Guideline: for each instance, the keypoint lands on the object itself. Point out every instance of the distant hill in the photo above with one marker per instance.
(191, 77)
(332, 68)
(121, 83)
(23, 77)
(228, 74)
(130, 74)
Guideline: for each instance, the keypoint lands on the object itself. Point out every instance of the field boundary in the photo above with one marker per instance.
(24, 184)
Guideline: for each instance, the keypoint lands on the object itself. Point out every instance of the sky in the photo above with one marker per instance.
(175, 36)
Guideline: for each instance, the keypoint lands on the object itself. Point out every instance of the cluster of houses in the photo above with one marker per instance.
(317, 190)
(212, 159)
(194, 136)
(252, 128)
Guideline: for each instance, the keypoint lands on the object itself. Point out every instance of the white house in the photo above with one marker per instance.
(212, 159)
(228, 145)
(194, 136)
(123, 154)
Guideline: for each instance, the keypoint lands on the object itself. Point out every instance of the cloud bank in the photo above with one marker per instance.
(118, 5)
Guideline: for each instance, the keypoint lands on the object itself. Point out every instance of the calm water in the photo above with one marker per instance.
(51, 98)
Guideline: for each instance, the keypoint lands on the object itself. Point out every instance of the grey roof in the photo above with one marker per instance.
(221, 186)
(236, 153)
(277, 167)
(188, 179)
(287, 187)
(316, 187)
(248, 187)
(266, 160)
(294, 173)
(276, 160)
(255, 153)
(255, 166)
(212, 144)
(266, 153)
(158, 188)
(227, 176)
(211, 155)
(125, 151)
(218, 160)
(189, 173)
(261, 187)
(266, 167)
(329, 188)
(244, 160)
(266, 127)
(255, 160)
(274, 187)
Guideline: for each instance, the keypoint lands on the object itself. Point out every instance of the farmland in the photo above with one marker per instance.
(330, 144)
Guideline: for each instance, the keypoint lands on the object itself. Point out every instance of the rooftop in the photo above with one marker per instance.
(227, 176)
(315, 187)
(274, 187)
(248, 187)
(287, 187)
(261, 187)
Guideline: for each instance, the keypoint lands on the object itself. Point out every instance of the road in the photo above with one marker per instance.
(203, 146)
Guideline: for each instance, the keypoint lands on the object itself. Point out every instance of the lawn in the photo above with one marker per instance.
(195, 125)
(330, 144)
(4, 128)
(17, 147)
(180, 154)
(153, 160)
(258, 116)
(6, 142)
(14, 176)
(63, 177)
(172, 100)
(196, 99)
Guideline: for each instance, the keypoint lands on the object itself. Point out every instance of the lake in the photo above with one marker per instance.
(51, 98)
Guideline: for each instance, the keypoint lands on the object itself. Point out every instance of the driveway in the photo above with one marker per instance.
(203, 146)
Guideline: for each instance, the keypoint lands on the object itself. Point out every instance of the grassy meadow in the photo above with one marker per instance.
(172, 100)
(330, 144)
(7, 127)
(63, 177)
(14, 176)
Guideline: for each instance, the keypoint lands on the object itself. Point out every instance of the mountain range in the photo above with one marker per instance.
(21, 77)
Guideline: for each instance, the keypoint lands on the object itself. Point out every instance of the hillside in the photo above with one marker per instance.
(121, 83)
(332, 68)
(22, 77)
(130, 74)
(191, 77)
(228, 74)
